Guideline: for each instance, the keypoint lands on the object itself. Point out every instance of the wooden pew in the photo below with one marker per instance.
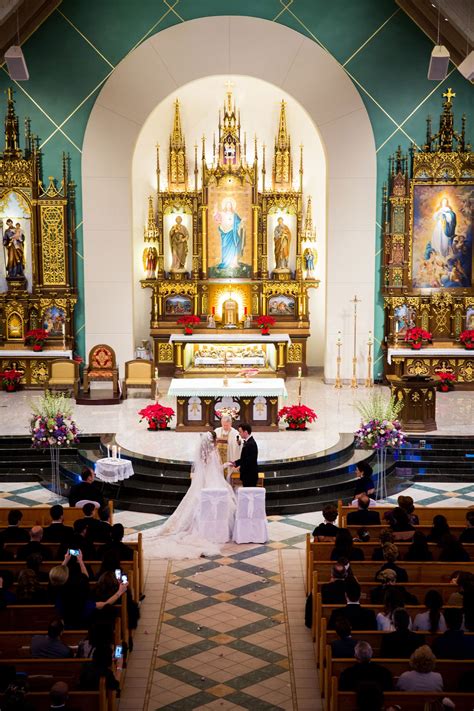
(454, 515)
(18, 643)
(78, 700)
(417, 589)
(406, 700)
(39, 515)
(43, 673)
(322, 551)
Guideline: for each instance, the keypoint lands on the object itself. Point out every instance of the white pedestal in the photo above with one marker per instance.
(251, 518)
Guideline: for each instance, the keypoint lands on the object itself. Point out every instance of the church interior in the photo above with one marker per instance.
(236, 378)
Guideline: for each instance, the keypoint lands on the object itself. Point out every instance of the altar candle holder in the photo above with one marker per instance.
(300, 377)
(225, 381)
(354, 384)
(64, 335)
(156, 386)
(338, 383)
(369, 383)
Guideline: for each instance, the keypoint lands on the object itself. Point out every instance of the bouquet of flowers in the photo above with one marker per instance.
(379, 426)
(467, 339)
(296, 416)
(416, 336)
(188, 322)
(11, 380)
(231, 411)
(158, 416)
(52, 424)
(446, 379)
(264, 322)
(36, 338)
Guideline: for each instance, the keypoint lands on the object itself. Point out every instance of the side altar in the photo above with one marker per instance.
(255, 401)
(428, 256)
(228, 246)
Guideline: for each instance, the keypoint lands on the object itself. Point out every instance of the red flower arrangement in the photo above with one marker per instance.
(36, 338)
(11, 380)
(296, 416)
(467, 339)
(188, 322)
(158, 416)
(416, 336)
(446, 379)
(264, 322)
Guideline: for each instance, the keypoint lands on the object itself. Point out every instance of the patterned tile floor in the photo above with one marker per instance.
(227, 633)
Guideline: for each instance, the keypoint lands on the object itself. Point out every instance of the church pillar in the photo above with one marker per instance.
(204, 238)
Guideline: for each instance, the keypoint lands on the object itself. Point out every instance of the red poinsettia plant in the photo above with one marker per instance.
(446, 380)
(416, 336)
(467, 339)
(11, 380)
(264, 322)
(296, 416)
(188, 322)
(158, 416)
(36, 338)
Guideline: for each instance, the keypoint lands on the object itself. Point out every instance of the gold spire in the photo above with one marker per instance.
(229, 132)
(282, 162)
(151, 229)
(12, 148)
(177, 165)
(309, 233)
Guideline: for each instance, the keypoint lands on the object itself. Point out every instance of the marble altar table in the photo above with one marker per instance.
(33, 364)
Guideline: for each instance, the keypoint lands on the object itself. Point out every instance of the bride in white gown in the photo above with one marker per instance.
(179, 538)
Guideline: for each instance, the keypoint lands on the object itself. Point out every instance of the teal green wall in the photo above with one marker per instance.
(71, 55)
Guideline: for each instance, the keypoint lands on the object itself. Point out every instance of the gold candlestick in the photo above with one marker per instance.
(354, 384)
(225, 381)
(338, 383)
(156, 379)
(299, 385)
(369, 382)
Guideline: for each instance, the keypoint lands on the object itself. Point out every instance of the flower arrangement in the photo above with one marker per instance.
(52, 424)
(11, 380)
(446, 379)
(467, 339)
(416, 336)
(231, 411)
(264, 322)
(36, 338)
(158, 416)
(379, 426)
(188, 322)
(296, 416)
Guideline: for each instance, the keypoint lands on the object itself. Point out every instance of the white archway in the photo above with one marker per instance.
(232, 45)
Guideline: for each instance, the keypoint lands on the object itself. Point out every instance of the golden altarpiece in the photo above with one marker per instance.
(428, 253)
(37, 269)
(227, 243)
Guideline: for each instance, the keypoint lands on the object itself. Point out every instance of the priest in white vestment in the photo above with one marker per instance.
(229, 443)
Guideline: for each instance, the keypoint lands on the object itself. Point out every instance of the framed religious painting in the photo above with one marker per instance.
(404, 317)
(281, 305)
(178, 241)
(178, 306)
(230, 229)
(54, 320)
(442, 233)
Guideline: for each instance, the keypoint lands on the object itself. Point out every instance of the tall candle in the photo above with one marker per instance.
(119, 452)
(213, 310)
(245, 310)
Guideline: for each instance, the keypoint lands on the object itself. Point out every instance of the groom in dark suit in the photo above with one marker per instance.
(248, 457)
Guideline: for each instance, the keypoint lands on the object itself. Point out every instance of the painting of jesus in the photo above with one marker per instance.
(230, 230)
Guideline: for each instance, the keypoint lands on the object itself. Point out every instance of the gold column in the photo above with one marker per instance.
(204, 238)
(255, 238)
(281, 355)
(179, 355)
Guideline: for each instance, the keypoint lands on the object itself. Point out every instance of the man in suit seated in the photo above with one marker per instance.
(363, 516)
(343, 648)
(13, 533)
(86, 490)
(34, 546)
(334, 592)
(80, 541)
(50, 645)
(365, 670)
(403, 642)
(57, 531)
(96, 532)
(360, 618)
(453, 644)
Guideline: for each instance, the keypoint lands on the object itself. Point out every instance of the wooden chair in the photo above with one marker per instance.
(138, 374)
(64, 375)
(236, 481)
(102, 367)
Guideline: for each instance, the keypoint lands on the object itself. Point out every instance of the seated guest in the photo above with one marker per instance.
(365, 670)
(363, 516)
(50, 645)
(405, 503)
(7, 597)
(390, 554)
(343, 648)
(15, 697)
(453, 644)
(69, 592)
(370, 697)
(96, 635)
(34, 546)
(433, 619)
(94, 528)
(4, 554)
(360, 618)
(400, 526)
(392, 601)
(334, 592)
(103, 529)
(33, 562)
(116, 546)
(421, 677)
(468, 605)
(13, 533)
(452, 551)
(419, 550)
(327, 531)
(87, 490)
(344, 548)
(467, 536)
(365, 483)
(58, 696)
(388, 578)
(57, 532)
(459, 578)
(402, 642)
(101, 666)
(80, 541)
(439, 530)
(29, 590)
(7, 676)
(386, 536)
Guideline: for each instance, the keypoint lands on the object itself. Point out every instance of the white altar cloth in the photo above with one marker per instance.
(230, 338)
(191, 387)
(428, 353)
(112, 470)
(24, 353)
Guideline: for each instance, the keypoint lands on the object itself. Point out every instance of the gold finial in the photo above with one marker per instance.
(228, 102)
(283, 138)
(177, 164)
(309, 233)
(12, 148)
(449, 95)
(151, 230)
(177, 138)
(282, 160)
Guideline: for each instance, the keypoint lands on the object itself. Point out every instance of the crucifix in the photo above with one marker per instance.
(355, 301)
(449, 95)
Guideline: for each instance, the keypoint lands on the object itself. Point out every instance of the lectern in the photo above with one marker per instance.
(418, 397)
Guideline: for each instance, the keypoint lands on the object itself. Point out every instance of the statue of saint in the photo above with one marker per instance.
(14, 244)
(150, 261)
(282, 239)
(310, 257)
(179, 236)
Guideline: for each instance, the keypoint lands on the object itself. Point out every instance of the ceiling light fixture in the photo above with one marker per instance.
(439, 60)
